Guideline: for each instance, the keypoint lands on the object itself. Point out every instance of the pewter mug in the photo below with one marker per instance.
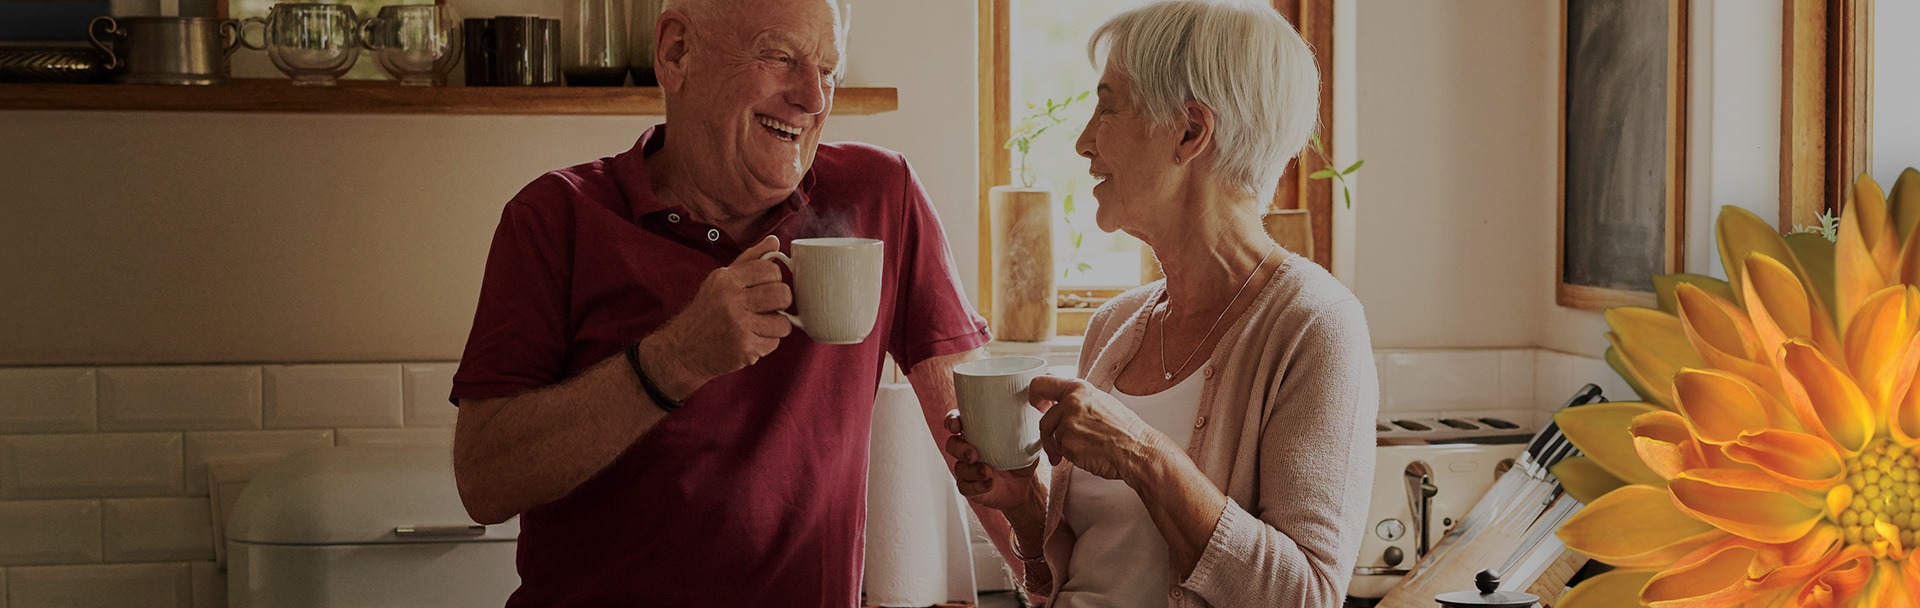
(167, 50)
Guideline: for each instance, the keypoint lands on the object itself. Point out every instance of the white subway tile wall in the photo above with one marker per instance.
(157, 529)
(89, 466)
(209, 586)
(89, 499)
(409, 437)
(203, 448)
(128, 585)
(322, 396)
(103, 471)
(49, 532)
(47, 400)
(428, 385)
(179, 398)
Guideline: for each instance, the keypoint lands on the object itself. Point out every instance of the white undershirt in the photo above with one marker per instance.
(1119, 557)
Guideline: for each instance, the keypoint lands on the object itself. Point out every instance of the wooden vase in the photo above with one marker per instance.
(1023, 277)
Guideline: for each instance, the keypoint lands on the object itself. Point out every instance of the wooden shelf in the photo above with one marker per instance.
(379, 97)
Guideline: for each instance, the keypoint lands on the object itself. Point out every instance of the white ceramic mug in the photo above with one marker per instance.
(836, 282)
(994, 411)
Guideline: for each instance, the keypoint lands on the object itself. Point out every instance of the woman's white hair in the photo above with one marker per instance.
(1243, 60)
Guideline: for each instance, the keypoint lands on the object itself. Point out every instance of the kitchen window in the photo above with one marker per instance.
(1035, 50)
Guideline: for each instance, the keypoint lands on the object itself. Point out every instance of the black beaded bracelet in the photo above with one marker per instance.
(653, 391)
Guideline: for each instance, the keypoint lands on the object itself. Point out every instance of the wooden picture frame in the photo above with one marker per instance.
(1619, 193)
(1826, 122)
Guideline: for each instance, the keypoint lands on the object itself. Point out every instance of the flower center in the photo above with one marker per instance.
(1885, 479)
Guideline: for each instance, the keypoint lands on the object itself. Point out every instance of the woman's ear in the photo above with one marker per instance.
(1196, 131)
(670, 60)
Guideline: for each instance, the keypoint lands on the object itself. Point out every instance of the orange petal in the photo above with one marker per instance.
(1583, 479)
(1903, 423)
(1627, 373)
(1738, 232)
(1888, 589)
(1865, 238)
(1665, 444)
(1723, 336)
(1881, 331)
(1792, 564)
(1601, 431)
(1827, 401)
(1654, 345)
(1781, 309)
(1798, 459)
(1903, 203)
(1636, 527)
(1713, 577)
(1721, 406)
(1610, 589)
(1840, 581)
(1886, 543)
(1664, 286)
(1815, 255)
(1746, 503)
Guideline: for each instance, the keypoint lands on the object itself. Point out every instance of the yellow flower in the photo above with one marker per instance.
(1775, 460)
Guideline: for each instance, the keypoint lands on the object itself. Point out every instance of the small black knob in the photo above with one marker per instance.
(1393, 555)
(1487, 581)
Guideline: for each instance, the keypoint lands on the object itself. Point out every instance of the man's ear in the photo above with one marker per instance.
(670, 54)
(1196, 130)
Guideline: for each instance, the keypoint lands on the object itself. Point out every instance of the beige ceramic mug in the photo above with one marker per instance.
(836, 283)
(994, 412)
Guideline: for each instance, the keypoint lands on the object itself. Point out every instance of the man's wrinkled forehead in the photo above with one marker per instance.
(799, 18)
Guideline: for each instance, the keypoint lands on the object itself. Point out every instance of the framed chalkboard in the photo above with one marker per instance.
(1622, 149)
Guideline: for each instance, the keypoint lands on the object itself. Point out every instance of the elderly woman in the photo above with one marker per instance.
(1219, 448)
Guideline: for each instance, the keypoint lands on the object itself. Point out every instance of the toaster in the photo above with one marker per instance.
(1419, 490)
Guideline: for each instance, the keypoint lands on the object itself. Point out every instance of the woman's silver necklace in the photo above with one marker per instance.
(1216, 322)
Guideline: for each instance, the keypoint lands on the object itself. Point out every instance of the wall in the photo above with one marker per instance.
(309, 281)
(1896, 90)
(1455, 119)
(150, 237)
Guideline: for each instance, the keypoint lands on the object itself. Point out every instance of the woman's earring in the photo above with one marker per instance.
(1177, 160)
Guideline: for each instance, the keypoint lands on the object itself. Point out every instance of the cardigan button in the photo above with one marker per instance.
(1175, 594)
(1207, 371)
(1200, 423)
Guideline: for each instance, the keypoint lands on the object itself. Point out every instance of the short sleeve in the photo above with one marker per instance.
(519, 336)
(932, 316)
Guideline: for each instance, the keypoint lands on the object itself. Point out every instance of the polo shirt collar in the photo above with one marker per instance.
(630, 171)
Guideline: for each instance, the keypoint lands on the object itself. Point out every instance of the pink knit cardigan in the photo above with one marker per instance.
(1285, 429)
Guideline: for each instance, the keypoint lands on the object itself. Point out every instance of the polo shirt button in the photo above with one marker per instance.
(673, 218)
(713, 235)
(1200, 423)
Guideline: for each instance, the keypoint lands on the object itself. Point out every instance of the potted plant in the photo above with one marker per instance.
(1293, 228)
(1022, 232)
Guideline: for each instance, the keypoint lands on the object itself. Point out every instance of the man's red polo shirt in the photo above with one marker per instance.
(754, 493)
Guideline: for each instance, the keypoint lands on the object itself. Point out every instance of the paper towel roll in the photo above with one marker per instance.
(918, 549)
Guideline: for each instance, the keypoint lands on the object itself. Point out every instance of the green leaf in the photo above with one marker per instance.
(1322, 174)
(1067, 203)
(1076, 240)
(1083, 267)
(1354, 167)
(1349, 195)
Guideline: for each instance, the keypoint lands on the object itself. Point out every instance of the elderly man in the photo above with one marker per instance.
(629, 388)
